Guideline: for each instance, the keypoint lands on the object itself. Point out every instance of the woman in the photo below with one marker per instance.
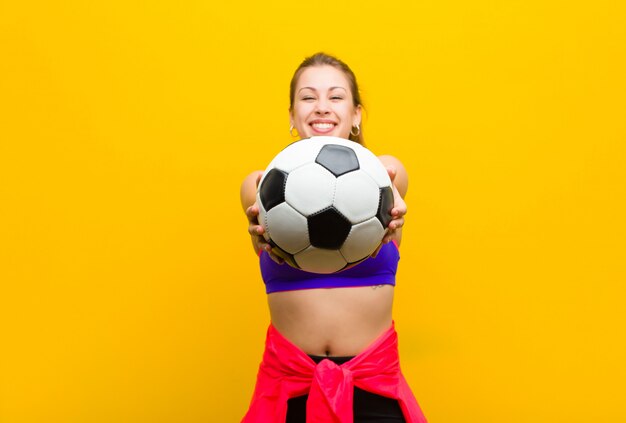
(330, 352)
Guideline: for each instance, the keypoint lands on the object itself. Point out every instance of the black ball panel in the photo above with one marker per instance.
(384, 206)
(338, 159)
(272, 189)
(328, 229)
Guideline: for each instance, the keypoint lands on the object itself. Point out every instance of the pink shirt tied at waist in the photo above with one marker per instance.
(287, 372)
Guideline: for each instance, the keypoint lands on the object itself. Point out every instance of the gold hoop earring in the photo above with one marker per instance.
(358, 130)
(291, 132)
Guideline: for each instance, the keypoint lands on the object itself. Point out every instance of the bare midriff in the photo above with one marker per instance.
(336, 322)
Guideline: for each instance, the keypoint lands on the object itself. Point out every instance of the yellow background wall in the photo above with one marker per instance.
(129, 291)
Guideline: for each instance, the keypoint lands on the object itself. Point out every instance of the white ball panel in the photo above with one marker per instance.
(292, 235)
(318, 260)
(362, 240)
(357, 196)
(373, 166)
(310, 188)
(295, 155)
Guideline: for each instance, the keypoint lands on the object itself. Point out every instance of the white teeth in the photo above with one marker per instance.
(323, 125)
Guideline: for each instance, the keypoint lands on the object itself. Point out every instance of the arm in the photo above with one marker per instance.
(248, 189)
(247, 196)
(400, 185)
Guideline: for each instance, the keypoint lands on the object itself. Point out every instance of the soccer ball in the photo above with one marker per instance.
(325, 204)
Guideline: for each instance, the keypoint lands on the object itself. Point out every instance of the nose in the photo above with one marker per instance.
(321, 107)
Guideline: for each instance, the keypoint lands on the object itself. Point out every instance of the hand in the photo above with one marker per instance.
(256, 231)
(398, 211)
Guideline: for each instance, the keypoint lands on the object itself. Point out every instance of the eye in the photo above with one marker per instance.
(308, 98)
(336, 97)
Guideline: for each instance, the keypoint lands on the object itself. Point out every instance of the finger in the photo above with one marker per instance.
(375, 253)
(258, 178)
(391, 171)
(393, 225)
(386, 238)
(276, 258)
(252, 218)
(398, 211)
(255, 230)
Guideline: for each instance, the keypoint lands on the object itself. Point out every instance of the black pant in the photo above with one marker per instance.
(368, 407)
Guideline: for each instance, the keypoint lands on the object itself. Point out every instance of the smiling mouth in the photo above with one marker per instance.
(323, 126)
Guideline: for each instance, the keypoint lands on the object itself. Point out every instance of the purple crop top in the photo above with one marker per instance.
(379, 270)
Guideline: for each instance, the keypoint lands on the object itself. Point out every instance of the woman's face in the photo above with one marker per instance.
(323, 104)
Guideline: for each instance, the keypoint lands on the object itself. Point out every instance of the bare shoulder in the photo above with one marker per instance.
(388, 159)
(402, 178)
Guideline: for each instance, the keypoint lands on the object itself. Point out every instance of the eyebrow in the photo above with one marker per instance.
(311, 88)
